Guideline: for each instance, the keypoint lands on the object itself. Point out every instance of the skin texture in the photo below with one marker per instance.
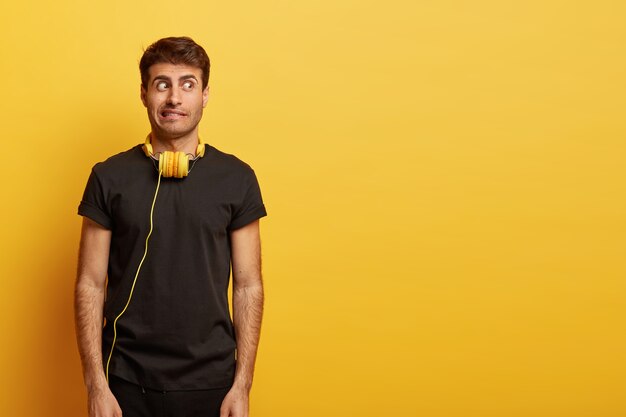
(89, 292)
(174, 99)
(247, 314)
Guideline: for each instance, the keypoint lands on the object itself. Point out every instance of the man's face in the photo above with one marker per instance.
(174, 98)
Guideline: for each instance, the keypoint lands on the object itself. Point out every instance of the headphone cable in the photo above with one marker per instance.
(132, 288)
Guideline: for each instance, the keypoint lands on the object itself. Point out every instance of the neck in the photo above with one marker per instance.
(187, 143)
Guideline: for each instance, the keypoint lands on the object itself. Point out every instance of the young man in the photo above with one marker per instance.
(162, 224)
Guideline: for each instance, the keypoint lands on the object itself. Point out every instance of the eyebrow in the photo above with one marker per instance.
(183, 77)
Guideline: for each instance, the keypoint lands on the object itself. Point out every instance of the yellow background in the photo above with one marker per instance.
(444, 181)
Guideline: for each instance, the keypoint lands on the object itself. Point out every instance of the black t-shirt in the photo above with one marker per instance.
(176, 334)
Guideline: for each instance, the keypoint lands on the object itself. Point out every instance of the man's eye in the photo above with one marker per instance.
(161, 86)
(187, 85)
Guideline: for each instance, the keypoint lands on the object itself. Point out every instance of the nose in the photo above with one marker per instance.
(174, 97)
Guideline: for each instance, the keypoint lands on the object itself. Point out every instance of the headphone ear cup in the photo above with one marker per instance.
(175, 161)
(173, 164)
(165, 163)
(183, 165)
(169, 166)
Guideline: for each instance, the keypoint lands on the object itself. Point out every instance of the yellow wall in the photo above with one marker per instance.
(445, 182)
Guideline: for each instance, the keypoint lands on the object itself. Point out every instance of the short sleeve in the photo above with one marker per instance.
(251, 207)
(93, 204)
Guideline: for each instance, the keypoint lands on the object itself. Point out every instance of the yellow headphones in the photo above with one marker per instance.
(172, 164)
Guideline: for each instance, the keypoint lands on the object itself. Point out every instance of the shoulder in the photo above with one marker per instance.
(120, 159)
(227, 162)
(121, 163)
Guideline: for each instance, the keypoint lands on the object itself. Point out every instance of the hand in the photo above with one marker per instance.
(235, 403)
(102, 403)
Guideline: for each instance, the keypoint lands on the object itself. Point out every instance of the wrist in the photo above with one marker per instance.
(96, 384)
(242, 386)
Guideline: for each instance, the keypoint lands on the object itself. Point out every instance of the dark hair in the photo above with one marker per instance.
(175, 50)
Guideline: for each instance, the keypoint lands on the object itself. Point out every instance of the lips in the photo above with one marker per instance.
(172, 114)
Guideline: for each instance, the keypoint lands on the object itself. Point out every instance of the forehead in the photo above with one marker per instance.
(173, 71)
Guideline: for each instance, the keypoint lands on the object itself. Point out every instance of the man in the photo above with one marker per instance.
(162, 225)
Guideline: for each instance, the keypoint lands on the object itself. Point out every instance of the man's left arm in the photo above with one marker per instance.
(247, 314)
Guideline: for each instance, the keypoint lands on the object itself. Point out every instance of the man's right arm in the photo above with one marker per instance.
(93, 259)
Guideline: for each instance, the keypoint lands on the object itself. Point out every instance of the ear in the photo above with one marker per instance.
(143, 96)
(205, 96)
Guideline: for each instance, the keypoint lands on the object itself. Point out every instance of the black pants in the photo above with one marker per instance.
(136, 401)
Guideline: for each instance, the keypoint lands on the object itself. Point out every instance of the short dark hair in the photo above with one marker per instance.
(175, 50)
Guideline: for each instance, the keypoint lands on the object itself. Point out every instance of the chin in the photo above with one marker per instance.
(175, 132)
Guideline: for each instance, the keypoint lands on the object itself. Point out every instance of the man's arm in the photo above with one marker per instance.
(89, 292)
(247, 314)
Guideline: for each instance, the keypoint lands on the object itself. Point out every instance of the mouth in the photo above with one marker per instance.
(172, 114)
